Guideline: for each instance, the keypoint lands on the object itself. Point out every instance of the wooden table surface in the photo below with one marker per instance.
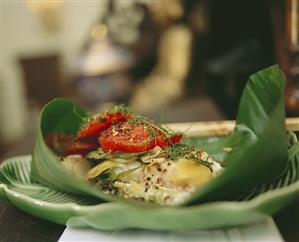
(18, 226)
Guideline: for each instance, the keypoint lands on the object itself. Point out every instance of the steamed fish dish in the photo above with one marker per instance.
(128, 155)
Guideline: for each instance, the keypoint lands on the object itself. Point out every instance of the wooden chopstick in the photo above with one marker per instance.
(219, 128)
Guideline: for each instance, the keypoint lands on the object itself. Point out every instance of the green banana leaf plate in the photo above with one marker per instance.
(61, 207)
(258, 142)
(261, 174)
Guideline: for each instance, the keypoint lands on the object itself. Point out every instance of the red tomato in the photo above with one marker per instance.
(81, 148)
(176, 138)
(130, 137)
(116, 118)
(94, 128)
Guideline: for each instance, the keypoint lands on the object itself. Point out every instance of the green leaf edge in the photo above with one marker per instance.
(200, 196)
(74, 215)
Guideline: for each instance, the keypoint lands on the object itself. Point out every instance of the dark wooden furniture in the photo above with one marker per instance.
(285, 20)
(42, 78)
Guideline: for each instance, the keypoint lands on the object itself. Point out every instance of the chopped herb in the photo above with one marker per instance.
(121, 108)
(152, 132)
(136, 118)
(178, 151)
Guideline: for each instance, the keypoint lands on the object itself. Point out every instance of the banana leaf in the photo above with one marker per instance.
(259, 144)
(82, 211)
(59, 115)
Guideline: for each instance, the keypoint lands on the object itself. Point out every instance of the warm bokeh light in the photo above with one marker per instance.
(157, 56)
(99, 32)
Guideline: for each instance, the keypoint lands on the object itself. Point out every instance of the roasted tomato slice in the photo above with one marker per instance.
(94, 128)
(81, 148)
(132, 137)
(176, 138)
(116, 118)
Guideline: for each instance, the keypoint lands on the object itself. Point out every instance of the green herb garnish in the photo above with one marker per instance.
(178, 151)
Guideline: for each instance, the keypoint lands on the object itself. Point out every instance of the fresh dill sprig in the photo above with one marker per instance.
(138, 118)
(121, 108)
(168, 133)
(135, 118)
(178, 151)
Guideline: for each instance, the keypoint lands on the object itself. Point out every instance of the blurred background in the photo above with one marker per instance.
(173, 60)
